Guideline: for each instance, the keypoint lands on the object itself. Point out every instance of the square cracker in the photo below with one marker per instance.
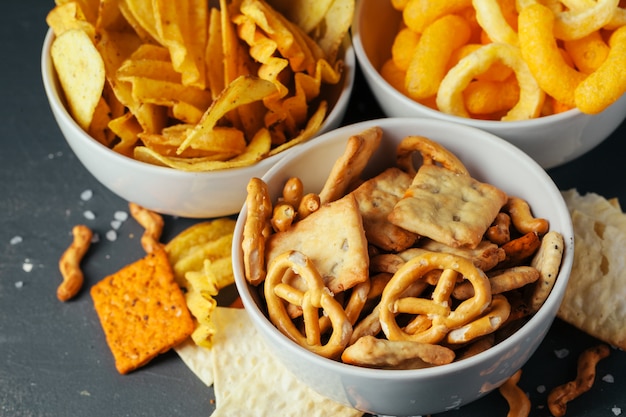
(142, 311)
(596, 290)
(451, 208)
(376, 198)
(333, 238)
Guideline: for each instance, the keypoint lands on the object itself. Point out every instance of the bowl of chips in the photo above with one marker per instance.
(340, 290)
(178, 125)
(452, 70)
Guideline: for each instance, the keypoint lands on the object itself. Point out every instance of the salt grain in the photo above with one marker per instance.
(89, 215)
(608, 378)
(541, 389)
(616, 410)
(120, 215)
(95, 238)
(16, 240)
(561, 353)
(111, 235)
(86, 195)
(116, 224)
(19, 284)
(27, 266)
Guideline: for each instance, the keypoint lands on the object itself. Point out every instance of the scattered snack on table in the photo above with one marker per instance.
(201, 261)
(448, 273)
(509, 60)
(199, 87)
(142, 311)
(596, 289)
(519, 404)
(69, 264)
(585, 378)
(151, 221)
(238, 366)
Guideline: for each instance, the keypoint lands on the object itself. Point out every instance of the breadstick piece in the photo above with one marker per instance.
(69, 264)
(152, 223)
(587, 361)
(519, 404)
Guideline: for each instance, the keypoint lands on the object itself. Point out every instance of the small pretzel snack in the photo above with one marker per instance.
(69, 264)
(585, 377)
(404, 269)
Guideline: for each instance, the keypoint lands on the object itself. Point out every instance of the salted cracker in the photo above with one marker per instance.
(333, 238)
(376, 198)
(596, 290)
(142, 311)
(448, 207)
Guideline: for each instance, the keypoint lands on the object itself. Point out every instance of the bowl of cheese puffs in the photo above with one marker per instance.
(398, 270)
(178, 122)
(547, 80)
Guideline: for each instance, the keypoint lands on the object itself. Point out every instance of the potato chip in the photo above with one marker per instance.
(69, 16)
(81, 72)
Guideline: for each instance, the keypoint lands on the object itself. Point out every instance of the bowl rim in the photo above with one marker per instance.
(59, 109)
(368, 68)
(498, 350)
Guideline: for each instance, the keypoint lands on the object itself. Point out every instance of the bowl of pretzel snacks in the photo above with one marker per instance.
(398, 270)
(548, 77)
(176, 105)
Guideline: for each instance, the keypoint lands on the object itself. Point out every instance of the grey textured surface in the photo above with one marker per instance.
(53, 357)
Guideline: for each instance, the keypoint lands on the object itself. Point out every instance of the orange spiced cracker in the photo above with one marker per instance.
(142, 311)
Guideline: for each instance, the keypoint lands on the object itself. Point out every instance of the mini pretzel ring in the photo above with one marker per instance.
(495, 317)
(438, 308)
(431, 152)
(316, 296)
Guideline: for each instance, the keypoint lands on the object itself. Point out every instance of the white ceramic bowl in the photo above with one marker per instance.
(165, 190)
(551, 141)
(432, 390)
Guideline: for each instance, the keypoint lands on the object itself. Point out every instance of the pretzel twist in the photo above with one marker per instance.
(438, 308)
(315, 297)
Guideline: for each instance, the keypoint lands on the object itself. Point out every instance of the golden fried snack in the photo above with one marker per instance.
(519, 404)
(372, 352)
(314, 298)
(501, 281)
(293, 190)
(309, 203)
(500, 231)
(586, 374)
(492, 320)
(350, 165)
(522, 218)
(283, 216)
(152, 223)
(460, 207)
(376, 198)
(547, 260)
(432, 152)
(69, 264)
(438, 308)
(520, 249)
(259, 212)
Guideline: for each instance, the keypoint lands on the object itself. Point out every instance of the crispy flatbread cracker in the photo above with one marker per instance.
(333, 238)
(251, 382)
(198, 359)
(450, 208)
(351, 164)
(485, 255)
(595, 294)
(142, 311)
(376, 198)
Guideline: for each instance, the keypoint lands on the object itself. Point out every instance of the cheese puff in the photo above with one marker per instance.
(485, 97)
(399, 4)
(393, 75)
(539, 50)
(429, 62)
(497, 72)
(419, 14)
(493, 21)
(608, 83)
(588, 53)
(403, 47)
